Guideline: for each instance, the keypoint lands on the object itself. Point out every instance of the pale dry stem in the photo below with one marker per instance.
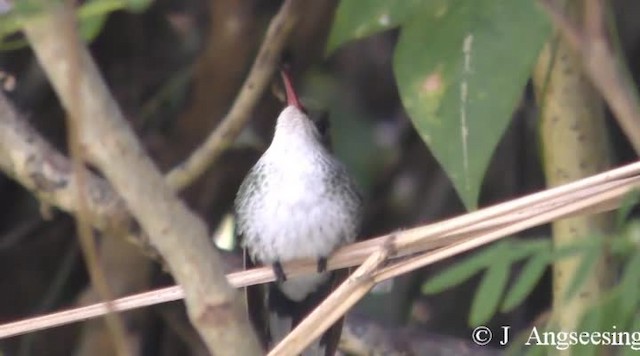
(333, 307)
(114, 322)
(594, 194)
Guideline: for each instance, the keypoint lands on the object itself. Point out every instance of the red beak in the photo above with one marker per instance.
(292, 97)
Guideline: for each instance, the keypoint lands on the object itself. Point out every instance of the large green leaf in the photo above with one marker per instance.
(460, 73)
(357, 19)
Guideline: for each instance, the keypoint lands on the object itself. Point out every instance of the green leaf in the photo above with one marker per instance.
(629, 201)
(609, 313)
(485, 303)
(629, 285)
(138, 5)
(6, 45)
(524, 248)
(589, 258)
(526, 281)
(591, 322)
(27, 7)
(537, 350)
(572, 249)
(11, 21)
(92, 16)
(620, 244)
(464, 269)
(90, 27)
(357, 19)
(631, 233)
(100, 7)
(461, 73)
(628, 351)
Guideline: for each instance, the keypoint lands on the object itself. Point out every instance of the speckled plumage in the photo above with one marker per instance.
(298, 201)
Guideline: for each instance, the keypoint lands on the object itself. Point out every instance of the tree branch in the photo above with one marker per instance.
(181, 238)
(252, 89)
(84, 232)
(30, 160)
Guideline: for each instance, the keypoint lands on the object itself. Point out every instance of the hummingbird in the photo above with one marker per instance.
(298, 201)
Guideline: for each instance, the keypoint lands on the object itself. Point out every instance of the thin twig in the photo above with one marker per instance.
(603, 190)
(47, 321)
(569, 30)
(257, 81)
(594, 24)
(114, 322)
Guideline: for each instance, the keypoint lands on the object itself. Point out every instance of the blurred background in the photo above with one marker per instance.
(175, 69)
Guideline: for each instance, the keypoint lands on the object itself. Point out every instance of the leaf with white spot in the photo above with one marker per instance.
(460, 75)
(357, 19)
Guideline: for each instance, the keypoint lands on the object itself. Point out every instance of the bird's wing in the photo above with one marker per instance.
(256, 305)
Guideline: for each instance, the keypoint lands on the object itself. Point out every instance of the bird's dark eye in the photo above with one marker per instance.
(321, 120)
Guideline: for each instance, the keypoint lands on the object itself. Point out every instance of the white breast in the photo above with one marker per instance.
(297, 216)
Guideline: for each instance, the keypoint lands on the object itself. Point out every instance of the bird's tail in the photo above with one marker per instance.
(284, 314)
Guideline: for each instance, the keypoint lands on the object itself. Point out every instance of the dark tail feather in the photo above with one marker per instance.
(265, 300)
(293, 312)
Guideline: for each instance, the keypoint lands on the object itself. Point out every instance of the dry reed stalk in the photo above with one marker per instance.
(443, 239)
(350, 292)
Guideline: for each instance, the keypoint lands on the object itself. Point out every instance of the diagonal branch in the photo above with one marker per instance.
(181, 238)
(29, 159)
(252, 89)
